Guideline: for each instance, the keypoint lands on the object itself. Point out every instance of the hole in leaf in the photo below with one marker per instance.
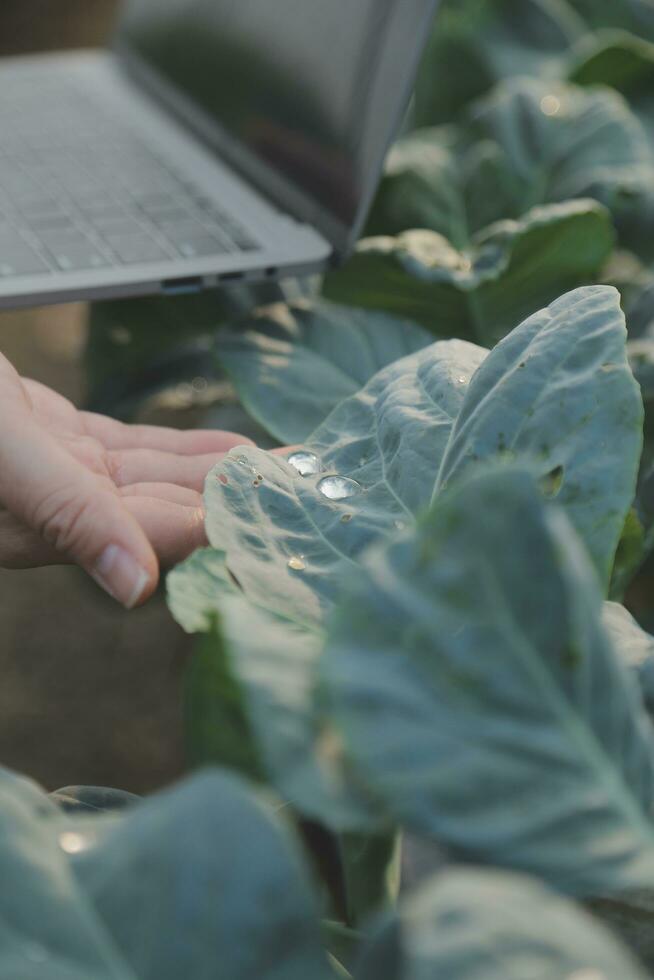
(552, 482)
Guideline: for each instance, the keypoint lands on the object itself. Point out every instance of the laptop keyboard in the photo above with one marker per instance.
(81, 191)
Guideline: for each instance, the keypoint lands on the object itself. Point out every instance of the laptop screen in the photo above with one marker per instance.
(310, 87)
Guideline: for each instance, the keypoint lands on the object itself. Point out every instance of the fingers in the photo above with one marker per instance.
(174, 530)
(130, 466)
(164, 491)
(117, 436)
(77, 513)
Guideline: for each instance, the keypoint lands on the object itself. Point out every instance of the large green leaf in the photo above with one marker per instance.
(288, 546)
(288, 540)
(427, 183)
(48, 929)
(559, 391)
(293, 364)
(471, 678)
(475, 43)
(512, 269)
(616, 59)
(475, 924)
(561, 141)
(200, 881)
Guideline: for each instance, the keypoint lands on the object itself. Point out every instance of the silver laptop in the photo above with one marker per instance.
(217, 140)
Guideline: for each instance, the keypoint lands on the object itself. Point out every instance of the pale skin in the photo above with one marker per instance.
(121, 501)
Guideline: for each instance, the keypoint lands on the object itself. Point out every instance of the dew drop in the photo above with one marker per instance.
(305, 463)
(550, 105)
(296, 563)
(72, 843)
(462, 380)
(338, 487)
(346, 518)
(400, 525)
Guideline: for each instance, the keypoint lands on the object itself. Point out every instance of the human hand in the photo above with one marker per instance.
(75, 487)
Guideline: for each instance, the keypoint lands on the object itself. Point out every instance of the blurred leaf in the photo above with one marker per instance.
(293, 364)
(562, 142)
(636, 16)
(506, 727)
(469, 924)
(371, 864)
(92, 799)
(475, 43)
(217, 728)
(138, 347)
(48, 931)
(513, 269)
(202, 877)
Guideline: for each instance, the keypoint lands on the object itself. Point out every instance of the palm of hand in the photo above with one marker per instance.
(72, 482)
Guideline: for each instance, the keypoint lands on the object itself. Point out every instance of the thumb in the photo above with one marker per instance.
(74, 511)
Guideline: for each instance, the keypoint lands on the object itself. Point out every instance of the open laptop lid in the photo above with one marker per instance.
(302, 96)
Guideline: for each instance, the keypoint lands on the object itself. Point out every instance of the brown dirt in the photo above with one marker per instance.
(88, 693)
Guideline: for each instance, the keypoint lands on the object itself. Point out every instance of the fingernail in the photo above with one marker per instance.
(121, 576)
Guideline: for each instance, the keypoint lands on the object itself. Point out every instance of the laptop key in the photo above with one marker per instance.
(200, 245)
(18, 259)
(73, 251)
(80, 257)
(50, 222)
(136, 248)
(116, 224)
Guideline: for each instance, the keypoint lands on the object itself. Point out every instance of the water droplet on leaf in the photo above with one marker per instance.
(550, 105)
(305, 463)
(296, 563)
(72, 843)
(338, 487)
(400, 525)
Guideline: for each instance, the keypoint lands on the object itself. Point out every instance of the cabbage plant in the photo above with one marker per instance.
(419, 702)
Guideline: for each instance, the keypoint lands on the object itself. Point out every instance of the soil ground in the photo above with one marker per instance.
(88, 694)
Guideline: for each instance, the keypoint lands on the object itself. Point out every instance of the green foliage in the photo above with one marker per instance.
(510, 270)
(426, 648)
(456, 926)
(201, 875)
(497, 682)
(293, 364)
